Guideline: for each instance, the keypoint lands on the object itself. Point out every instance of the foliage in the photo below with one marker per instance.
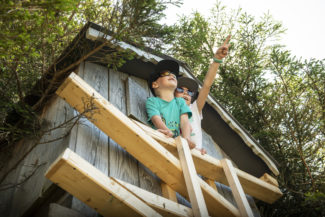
(34, 34)
(278, 98)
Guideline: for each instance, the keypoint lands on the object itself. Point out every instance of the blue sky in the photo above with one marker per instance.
(304, 20)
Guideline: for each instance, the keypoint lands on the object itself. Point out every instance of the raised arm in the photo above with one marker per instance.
(211, 74)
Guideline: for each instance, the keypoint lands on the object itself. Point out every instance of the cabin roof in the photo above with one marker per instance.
(229, 134)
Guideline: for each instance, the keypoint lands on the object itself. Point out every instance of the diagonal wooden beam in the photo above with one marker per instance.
(193, 187)
(237, 190)
(211, 168)
(162, 205)
(88, 184)
(134, 140)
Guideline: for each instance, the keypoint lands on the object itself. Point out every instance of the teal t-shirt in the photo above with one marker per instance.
(170, 112)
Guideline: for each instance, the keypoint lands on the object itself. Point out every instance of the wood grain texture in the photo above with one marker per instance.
(137, 92)
(122, 165)
(37, 161)
(78, 177)
(193, 187)
(90, 142)
(162, 205)
(237, 190)
(211, 168)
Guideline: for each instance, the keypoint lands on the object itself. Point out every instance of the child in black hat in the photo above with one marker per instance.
(165, 112)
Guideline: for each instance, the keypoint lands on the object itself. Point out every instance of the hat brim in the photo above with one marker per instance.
(188, 83)
(169, 65)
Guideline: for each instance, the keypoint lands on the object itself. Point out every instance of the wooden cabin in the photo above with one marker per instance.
(111, 164)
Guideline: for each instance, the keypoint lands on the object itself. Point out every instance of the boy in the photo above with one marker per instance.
(165, 112)
(187, 89)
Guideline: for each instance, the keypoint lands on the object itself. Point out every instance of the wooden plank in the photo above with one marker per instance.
(193, 188)
(257, 188)
(211, 168)
(137, 93)
(143, 147)
(237, 190)
(74, 132)
(164, 206)
(7, 196)
(122, 165)
(36, 162)
(90, 185)
(91, 143)
(269, 179)
(227, 193)
(168, 192)
(205, 165)
(221, 206)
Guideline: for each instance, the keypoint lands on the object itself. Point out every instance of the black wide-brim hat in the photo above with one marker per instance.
(162, 66)
(190, 84)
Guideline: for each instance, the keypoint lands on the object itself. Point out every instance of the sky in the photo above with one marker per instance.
(303, 19)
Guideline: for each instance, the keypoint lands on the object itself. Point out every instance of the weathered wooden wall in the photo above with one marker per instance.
(16, 200)
(129, 94)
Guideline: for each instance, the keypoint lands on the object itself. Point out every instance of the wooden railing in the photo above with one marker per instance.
(170, 159)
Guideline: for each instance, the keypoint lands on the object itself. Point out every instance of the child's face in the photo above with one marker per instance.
(166, 80)
(183, 92)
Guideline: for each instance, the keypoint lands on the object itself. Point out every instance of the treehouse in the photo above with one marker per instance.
(108, 162)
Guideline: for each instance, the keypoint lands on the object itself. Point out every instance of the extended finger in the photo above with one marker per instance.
(225, 43)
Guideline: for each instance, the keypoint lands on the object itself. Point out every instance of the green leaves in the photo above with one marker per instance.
(276, 96)
(34, 34)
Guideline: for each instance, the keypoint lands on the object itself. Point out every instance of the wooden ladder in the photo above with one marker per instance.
(193, 187)
(191, 179)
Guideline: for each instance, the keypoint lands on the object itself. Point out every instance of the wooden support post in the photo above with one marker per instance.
(168, 192)
(239, 195)
(193, 187)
